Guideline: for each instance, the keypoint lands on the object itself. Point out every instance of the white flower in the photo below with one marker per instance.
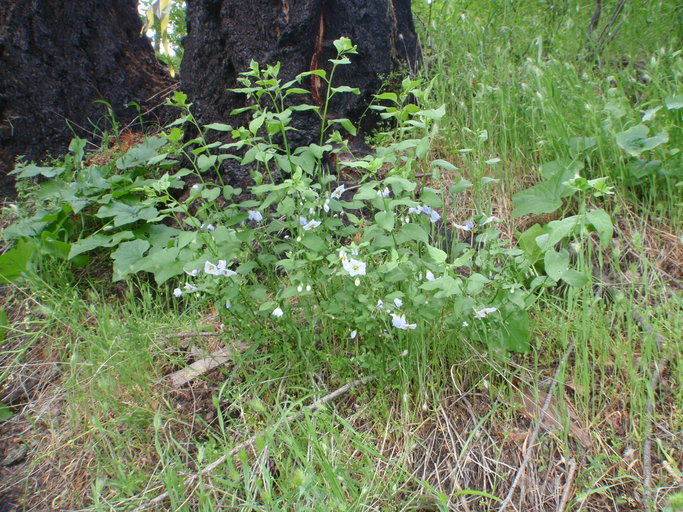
(483, 313)
(255, 215)
(277, 312)
(338, 192)
(355, 252)
(414, 209)
(354, 267)
(383, 193)
(399, 321)
(311, 210)
(326, 205)
(227, 272)
(311, 224)
(308, 287)
(434, 216)
(357, 282)
(177, 292)
(303, 221)
(465, 324)
(380, 304)
(353, 335)
(299, 288)
(489, 219)
(193, 273)
(228, 304)
(398, 302)
(207, 227)
(429, 275)
(468, 226)
(342, 255)
(190, 287)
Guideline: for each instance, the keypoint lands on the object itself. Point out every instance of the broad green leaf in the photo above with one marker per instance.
(5, 412)
(674, 102)
(385, 220)
(411, 231)
(575, 279)
(434, 114)
(141, 154)
(126, 214)
(602, 223)
(476, 283)
(516, 333)
(32, 170)
(461, 185)
(97, 241)
(219, 127)
(313, 242)
(556, 263)
(128, 258)
(206, 162)
(4, 325)
(527, 242)
(15, 261)
(437, 255)
(446, 286)
(635, 140)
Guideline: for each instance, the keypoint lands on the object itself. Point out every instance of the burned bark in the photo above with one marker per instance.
(225, 35)
(56, 59)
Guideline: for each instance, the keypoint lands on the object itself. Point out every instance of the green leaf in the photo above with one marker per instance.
(437, 255)
(313, 242)
(556, 263)
(126, 214)
(219, 127)
(32, 170)
(15, 261)
(674, 102)
(411, 231)
(546, 197)
(5, 412)
(635, 140)
(206, 162)
(602, 223)
(385, 220)
(516, 334)
(345, 88)
(461, 185)
(575, 279)
(527, 242)
(476, 283)
(165, 263)
(141, 154)
(4, 325)
(446, 286)
(128, 258)
(434, 114)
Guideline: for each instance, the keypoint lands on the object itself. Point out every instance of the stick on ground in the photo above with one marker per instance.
(248, 442)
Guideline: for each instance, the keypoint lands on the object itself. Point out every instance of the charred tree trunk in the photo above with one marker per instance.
(225, 35)
(56, 59)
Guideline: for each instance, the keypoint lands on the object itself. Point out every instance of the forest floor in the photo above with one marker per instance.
(102, 412)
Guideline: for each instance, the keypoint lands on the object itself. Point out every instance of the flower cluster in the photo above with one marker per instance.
(212, 269)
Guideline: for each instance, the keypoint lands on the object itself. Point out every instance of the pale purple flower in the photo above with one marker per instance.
(190, 287)
(383, 193)
(398, 302)
(399, 321)
(468, 226)
(311, 224)
(177, 292)
(277, 312)
(429, 275)
(255, 215)
(353, 335)
(483, 313)
(193, 273)
(380, 304)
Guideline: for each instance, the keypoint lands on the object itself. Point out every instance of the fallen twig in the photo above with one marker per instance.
(537, 429)
(649, 413)
(248, 442)
(201, 366)
(567, 486)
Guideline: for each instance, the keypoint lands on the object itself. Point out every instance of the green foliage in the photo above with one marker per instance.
(372, 263)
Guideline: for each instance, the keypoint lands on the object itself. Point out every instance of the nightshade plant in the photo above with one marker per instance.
(374, 261)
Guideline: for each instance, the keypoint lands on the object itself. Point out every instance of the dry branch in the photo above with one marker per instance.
(248, 442)
(200, 367)
(537, 429)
